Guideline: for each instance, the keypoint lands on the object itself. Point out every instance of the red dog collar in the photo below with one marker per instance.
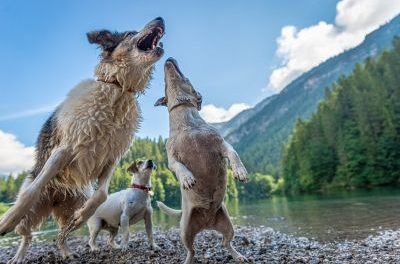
(141, 187)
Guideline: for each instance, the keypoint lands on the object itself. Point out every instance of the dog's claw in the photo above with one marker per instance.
(188, 182)
(240, 174)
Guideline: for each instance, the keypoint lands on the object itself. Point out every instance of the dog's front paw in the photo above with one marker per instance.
(79, 219)
(17, 259)
(240, 174)
(94, 248)
(188, 181)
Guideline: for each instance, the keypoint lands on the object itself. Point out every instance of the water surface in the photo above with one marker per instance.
(328, 217)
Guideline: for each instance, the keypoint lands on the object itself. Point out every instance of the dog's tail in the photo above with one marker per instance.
(169, 211)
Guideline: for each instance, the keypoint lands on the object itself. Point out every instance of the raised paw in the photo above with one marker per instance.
(188, 181)
(80, 217)
(240, 174)
(9, 221)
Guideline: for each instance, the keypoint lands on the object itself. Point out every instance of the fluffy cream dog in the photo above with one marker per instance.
(84, 139)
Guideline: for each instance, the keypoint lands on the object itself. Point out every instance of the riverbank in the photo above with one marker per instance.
(259, 245)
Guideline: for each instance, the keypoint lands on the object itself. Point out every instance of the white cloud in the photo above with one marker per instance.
(213, 114)
(29, 112)
(302, 49)
(14, 156)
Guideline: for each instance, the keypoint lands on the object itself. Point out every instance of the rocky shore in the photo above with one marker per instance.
(258, 244)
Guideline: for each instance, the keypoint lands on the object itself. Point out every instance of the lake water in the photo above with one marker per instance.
(328, 217)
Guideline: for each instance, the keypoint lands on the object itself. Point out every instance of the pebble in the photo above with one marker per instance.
(257, 244)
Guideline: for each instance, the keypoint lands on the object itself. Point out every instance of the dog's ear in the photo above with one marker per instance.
(133, 168)
(105, 39)
(162, 101)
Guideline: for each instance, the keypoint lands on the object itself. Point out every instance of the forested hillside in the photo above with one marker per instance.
(260, 133)
(353, 140)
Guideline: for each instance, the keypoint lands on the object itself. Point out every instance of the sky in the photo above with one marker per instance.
(235, 53)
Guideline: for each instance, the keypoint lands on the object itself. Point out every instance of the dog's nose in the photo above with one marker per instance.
(151, 164)
(159, 21)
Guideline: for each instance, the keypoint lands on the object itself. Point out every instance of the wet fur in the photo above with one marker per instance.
(91, 130)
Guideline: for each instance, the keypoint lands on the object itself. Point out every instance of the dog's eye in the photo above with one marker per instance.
(140, 162)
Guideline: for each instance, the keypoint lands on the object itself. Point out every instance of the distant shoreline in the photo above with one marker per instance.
(258, 244)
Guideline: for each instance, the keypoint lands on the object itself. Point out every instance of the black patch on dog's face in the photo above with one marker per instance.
(133, 168)
(108, 40)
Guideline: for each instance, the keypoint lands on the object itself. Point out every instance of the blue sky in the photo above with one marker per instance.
(227, 48)
(236, 53)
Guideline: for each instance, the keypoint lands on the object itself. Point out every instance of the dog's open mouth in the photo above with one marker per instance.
(151, 41)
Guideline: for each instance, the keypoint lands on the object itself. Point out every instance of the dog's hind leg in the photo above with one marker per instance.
(224, 225)
(188, 233)
(90, 206)
(63, 213)
(23, 247)
(31, 194)
(34, 218)
(111, 240)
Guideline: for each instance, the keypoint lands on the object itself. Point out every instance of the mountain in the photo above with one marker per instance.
(225, 128)
(258, 134)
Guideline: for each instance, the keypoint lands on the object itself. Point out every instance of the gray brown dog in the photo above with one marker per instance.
(84, 139)
(197, 155)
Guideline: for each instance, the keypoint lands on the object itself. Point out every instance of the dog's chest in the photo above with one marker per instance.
(98, 125)
(136, 204)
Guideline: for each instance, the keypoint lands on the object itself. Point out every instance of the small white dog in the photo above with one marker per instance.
(125, 208)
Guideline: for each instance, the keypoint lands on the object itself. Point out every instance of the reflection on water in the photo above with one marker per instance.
(335, 216)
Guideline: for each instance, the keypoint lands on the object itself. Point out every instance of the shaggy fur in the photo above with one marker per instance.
(197, 155)
(80, 144)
